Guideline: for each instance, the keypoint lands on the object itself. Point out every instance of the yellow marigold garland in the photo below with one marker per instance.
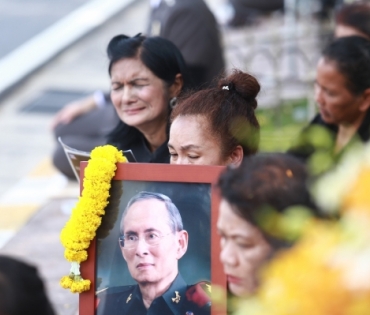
(87, 214)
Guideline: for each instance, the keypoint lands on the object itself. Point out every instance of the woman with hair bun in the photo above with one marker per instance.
(216, 126)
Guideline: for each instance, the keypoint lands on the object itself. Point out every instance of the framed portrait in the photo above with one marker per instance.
(133, 245)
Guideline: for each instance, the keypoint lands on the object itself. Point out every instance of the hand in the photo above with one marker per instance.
(72, 110)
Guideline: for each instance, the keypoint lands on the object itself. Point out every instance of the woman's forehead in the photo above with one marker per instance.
(129, 68)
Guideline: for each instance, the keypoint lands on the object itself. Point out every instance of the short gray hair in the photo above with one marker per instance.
(175, 220)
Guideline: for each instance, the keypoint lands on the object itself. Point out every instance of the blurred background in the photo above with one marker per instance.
(53, 52)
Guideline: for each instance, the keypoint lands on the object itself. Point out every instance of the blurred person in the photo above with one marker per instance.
(152, 242)
(22, 291)
(353, 19)
(273, 180)
(216, 126)
(246, 11)
(147, 74)
(342, 92)
(191, 26)
(327, 7)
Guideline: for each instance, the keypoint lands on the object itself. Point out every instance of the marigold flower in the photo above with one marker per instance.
(86, 215)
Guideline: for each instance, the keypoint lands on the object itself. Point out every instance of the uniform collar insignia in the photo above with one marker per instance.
(208, 286)
(177, 297)
(129, 298)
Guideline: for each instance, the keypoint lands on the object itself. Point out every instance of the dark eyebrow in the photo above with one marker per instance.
(130, 233)
(151, 230)
(146, 231)
(138, 79)
(131, 81)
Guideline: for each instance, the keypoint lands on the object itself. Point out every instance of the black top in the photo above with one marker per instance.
(177, 300)
(305, 148)
(192, 27)
(125, 137)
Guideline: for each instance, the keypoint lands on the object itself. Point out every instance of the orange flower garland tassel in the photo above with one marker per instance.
(87, 214)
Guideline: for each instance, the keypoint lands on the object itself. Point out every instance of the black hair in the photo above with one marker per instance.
(161, 57)
(22, 291)
(355, 15)
(230, 110)
(352, 57)
(158, 54)
(276, 180)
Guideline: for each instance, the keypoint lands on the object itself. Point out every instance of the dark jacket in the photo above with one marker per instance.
(125, 137)
(191, 26)
(304, 148)
(179, 299)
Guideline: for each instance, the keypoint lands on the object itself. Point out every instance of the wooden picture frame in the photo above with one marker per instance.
(180, 180)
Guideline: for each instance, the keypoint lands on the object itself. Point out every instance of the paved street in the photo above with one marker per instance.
(20, 20)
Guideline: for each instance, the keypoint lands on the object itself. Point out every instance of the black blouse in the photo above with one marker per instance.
(125, 137)
(304, 149)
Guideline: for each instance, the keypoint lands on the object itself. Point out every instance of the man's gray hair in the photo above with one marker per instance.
(175, 221)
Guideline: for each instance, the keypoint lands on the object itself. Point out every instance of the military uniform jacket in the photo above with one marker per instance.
(179, 299)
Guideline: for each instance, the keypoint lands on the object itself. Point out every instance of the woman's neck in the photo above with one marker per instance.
(155, 135)
(346, 133)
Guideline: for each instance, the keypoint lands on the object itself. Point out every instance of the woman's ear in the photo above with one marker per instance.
(183, 239)
(176, 86)
(236, 157)
(365, 105)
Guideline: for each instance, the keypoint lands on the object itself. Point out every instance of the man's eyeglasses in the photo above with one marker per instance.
(130, 241)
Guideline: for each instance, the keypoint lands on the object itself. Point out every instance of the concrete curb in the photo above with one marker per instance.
(40, 49)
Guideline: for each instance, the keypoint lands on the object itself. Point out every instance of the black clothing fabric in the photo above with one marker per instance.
(304, 148)
(246, 11)
(191, 26)
(125, 137)
(128, 300)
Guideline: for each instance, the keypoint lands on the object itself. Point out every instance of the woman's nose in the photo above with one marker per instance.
(318, 95)
(127, 95)
(228, 255)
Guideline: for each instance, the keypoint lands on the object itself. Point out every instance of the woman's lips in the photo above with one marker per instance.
(232, 279)
(323, 112)
(133, 111)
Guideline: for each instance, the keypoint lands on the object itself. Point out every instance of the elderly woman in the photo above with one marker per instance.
(216, 126)
(276, 181)
(147, 74)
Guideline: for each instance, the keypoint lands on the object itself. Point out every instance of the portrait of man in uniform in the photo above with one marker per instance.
(152, 240)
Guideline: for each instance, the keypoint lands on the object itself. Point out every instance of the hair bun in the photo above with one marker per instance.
(243, 84)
